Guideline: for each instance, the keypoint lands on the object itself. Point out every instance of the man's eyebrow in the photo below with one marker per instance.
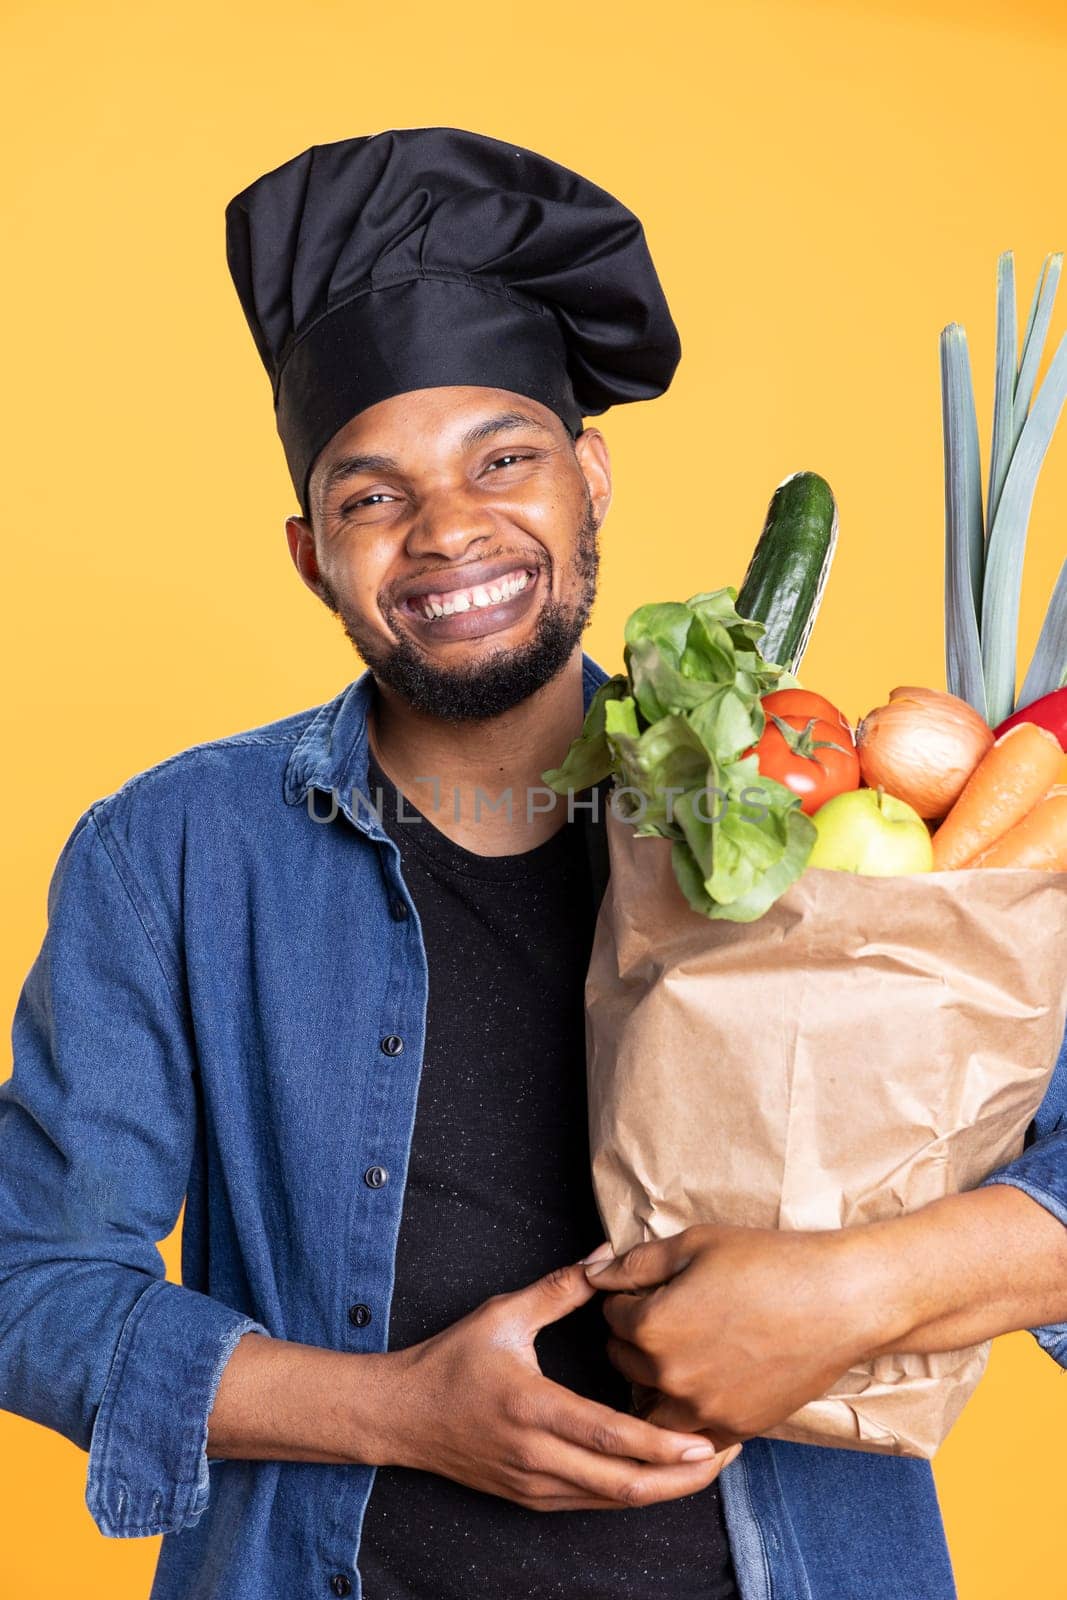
(503, 422)
(352, 466)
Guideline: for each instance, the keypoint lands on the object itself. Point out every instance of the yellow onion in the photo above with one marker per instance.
(922, 747)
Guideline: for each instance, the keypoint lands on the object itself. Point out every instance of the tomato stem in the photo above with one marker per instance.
(801, 742)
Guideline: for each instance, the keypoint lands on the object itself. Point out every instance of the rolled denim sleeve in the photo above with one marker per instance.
(97, 1128)
(1041, 1172)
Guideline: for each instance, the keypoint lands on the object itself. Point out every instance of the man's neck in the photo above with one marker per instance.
(458, 773)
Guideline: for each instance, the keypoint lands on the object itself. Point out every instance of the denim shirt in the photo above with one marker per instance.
(230, 959)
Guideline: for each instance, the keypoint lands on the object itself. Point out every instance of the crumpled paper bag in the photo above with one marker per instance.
(866, 1046)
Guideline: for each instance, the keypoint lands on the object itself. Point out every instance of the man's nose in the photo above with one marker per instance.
(448, 521)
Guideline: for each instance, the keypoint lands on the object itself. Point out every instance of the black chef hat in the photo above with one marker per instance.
(426, 256)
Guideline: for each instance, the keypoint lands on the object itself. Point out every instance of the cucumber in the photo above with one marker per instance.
(784, 584)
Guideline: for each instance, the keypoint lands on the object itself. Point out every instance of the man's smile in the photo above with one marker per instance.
(459, 608)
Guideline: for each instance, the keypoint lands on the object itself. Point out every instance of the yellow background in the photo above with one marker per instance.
(823, 187)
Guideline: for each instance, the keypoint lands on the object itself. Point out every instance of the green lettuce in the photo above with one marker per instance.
(672, 730)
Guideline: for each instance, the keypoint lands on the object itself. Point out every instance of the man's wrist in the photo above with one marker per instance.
(284, 1401)
(962, 1269)
(376, 1410)
(873, 1293)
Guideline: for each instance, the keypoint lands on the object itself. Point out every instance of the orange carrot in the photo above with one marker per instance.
(1039, 840)
(1009, 780)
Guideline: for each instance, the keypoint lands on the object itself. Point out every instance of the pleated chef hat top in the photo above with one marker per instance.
(419, 257)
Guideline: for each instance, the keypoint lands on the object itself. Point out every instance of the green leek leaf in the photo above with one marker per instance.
(1007, 542)
(1035, 302)
(1004, 389)
(963, 521)
(1048, 669)
(1034, 339)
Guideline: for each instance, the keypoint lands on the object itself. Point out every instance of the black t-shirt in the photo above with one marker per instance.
(498, 1193)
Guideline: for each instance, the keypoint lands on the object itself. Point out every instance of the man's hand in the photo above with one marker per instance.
(738, 1327)
(472, 1404)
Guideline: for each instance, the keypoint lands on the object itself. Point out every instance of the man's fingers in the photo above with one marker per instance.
(623, 1484)
(631, 1362)
(548, 1299)
(615, 1433)
(643, 1267)
(625, 1314)
(675, 1414)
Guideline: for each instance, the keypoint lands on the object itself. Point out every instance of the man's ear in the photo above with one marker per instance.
(591, 449)
(301, 538)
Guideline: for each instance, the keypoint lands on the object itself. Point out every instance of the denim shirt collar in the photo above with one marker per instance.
(331, 753)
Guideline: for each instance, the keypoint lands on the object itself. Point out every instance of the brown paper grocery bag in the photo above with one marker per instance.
(867, 1046)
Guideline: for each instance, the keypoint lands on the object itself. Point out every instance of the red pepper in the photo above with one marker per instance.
(1049, 712)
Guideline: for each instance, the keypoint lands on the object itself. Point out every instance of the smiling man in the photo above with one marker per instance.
(323, 979)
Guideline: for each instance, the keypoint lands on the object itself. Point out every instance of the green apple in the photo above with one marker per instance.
(866, 830)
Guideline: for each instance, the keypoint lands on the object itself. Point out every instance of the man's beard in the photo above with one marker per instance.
(503, 679)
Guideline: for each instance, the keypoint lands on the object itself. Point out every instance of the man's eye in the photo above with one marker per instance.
(509, 458)
(367, 500)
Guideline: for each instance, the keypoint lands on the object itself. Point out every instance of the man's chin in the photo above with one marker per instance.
(485, 685)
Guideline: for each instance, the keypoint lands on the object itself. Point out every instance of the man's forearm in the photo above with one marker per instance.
(282, 1401)
(966, 1268)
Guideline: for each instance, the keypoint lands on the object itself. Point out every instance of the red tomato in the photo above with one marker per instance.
(803, 703)
(813, 757)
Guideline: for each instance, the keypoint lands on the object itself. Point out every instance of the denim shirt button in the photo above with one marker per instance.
(340, 1584)
(392, 1044)
(376, 1177)
(359, 1316)
(398, 910)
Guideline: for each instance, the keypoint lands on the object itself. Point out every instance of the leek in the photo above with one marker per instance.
(1007, 375)
(1035, 336)
(963, 522)
(1007, 542)
(1048, 669)
(984, 555)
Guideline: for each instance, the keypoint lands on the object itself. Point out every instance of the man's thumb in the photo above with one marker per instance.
(555, 1295)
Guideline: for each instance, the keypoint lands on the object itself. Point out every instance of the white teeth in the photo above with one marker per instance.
(489, 594)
